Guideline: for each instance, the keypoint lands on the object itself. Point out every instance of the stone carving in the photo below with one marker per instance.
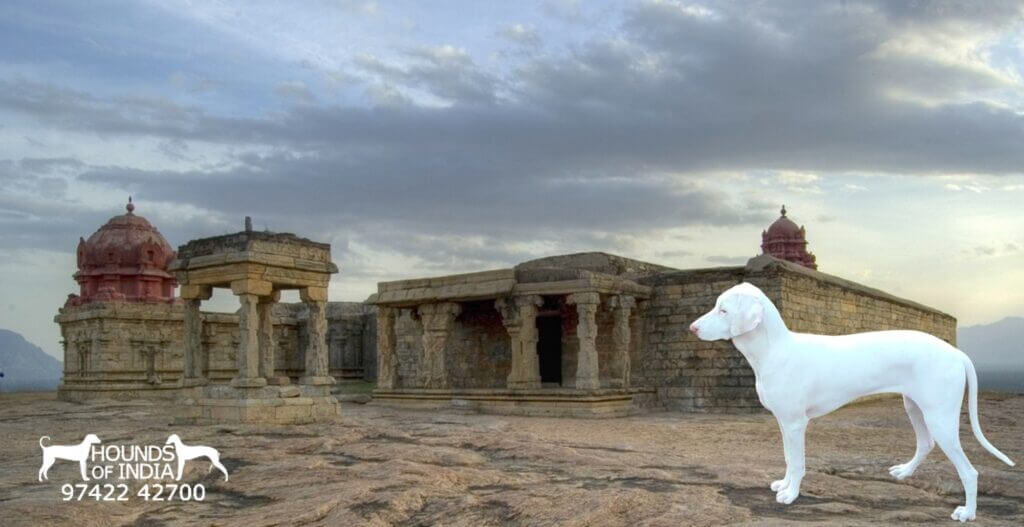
(387, 358)
(317, 372)
(265, 336)
(519, 315)
(148, 350)
(586, 331)
(192, 373)
(437, 321)
(248, 345)
(622, 306)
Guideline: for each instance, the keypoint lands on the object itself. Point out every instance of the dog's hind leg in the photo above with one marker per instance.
(944, 426)
(215, 462)
(47, 463)
(925, 443)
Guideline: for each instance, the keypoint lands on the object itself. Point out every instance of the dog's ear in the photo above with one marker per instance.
(747, 314)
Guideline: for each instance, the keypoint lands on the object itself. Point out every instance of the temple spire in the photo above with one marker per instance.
(785, 240)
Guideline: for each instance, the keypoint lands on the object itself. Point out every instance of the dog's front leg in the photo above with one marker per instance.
(780, 484)
(81, 467)
(793, 430)
(181, 463)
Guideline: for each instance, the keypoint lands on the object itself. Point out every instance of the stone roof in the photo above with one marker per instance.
(766, 262)
(126, 259)
(594, 271)
(597, 262)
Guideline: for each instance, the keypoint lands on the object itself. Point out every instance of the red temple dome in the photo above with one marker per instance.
(125, 260)
(787, 241)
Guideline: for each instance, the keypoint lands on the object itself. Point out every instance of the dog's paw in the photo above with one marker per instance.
(779, 484)
(787, 495)
(962, 514)
(902, 471)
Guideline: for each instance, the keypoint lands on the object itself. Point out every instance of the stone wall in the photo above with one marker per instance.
(479, 353)
(408, 347)
(810, 305)
(689, 374)
(692, 375)
(127, 350)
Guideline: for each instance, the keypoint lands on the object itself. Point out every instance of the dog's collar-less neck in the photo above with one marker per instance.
(756, 345)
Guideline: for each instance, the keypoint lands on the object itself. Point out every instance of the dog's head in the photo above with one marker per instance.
(91, 439)
(737, 311)
(173, 438)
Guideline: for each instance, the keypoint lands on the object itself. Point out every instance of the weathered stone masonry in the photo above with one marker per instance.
(693, 375)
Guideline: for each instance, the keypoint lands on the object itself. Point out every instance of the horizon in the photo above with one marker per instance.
(422, 140)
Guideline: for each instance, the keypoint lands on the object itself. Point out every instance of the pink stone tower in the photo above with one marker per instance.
(125, 260)
(787, 241)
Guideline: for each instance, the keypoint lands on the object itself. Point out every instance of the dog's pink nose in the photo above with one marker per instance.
(693, 328)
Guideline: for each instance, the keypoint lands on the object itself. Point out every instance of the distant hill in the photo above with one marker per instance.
(25, 366)
(997, 350)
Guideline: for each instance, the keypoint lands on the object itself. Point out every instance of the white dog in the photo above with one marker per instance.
(79, 453)
(801, 376)
(184, 452)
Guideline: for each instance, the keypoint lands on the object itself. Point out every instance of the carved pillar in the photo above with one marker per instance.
(248, 355)
(621, 306)
(586, 332)
(437, 322)
(192, 372)
(317, 372)
(265, 336)
(519, 315)
(387, 357)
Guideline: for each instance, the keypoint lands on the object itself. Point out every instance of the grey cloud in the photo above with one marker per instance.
(519, 34)
(728, 260)
(294, 91)
(570, 149)
(445, 71)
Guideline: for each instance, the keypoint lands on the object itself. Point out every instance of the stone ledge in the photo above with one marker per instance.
(601, 403)
(295, 410)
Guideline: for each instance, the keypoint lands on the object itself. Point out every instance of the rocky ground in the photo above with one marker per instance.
(379, 466)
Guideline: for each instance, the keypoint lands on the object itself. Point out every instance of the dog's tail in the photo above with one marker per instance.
(41, 445)
(972, 407)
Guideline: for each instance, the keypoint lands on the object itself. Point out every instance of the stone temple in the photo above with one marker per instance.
(588, 335)
(595, 334)
(124, 334)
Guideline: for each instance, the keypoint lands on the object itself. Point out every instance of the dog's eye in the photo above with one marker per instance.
(722, 311)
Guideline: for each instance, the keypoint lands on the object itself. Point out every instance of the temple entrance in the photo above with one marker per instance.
(549, 348)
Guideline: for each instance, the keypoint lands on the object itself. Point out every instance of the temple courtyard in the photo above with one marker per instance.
(381, 466)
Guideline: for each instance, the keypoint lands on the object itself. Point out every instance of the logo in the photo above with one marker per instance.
(130, 463)
(184, 453)
(79, 453)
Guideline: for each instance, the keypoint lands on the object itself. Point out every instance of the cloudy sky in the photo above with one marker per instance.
(424, 138)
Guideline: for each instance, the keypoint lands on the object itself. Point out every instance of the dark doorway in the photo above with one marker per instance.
(549, 348)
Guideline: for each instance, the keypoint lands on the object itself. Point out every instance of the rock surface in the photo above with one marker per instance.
(379, 466)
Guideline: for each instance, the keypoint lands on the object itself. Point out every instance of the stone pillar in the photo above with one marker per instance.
(519, 315)
(192, 373)
(268, 348)
(437, 322)
(621, 306)
(387, 356)
(248, 355)
(586, 331)
(316, 373)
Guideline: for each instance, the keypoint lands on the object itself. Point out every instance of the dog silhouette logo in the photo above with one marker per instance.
(185, 452)
(79, 453)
